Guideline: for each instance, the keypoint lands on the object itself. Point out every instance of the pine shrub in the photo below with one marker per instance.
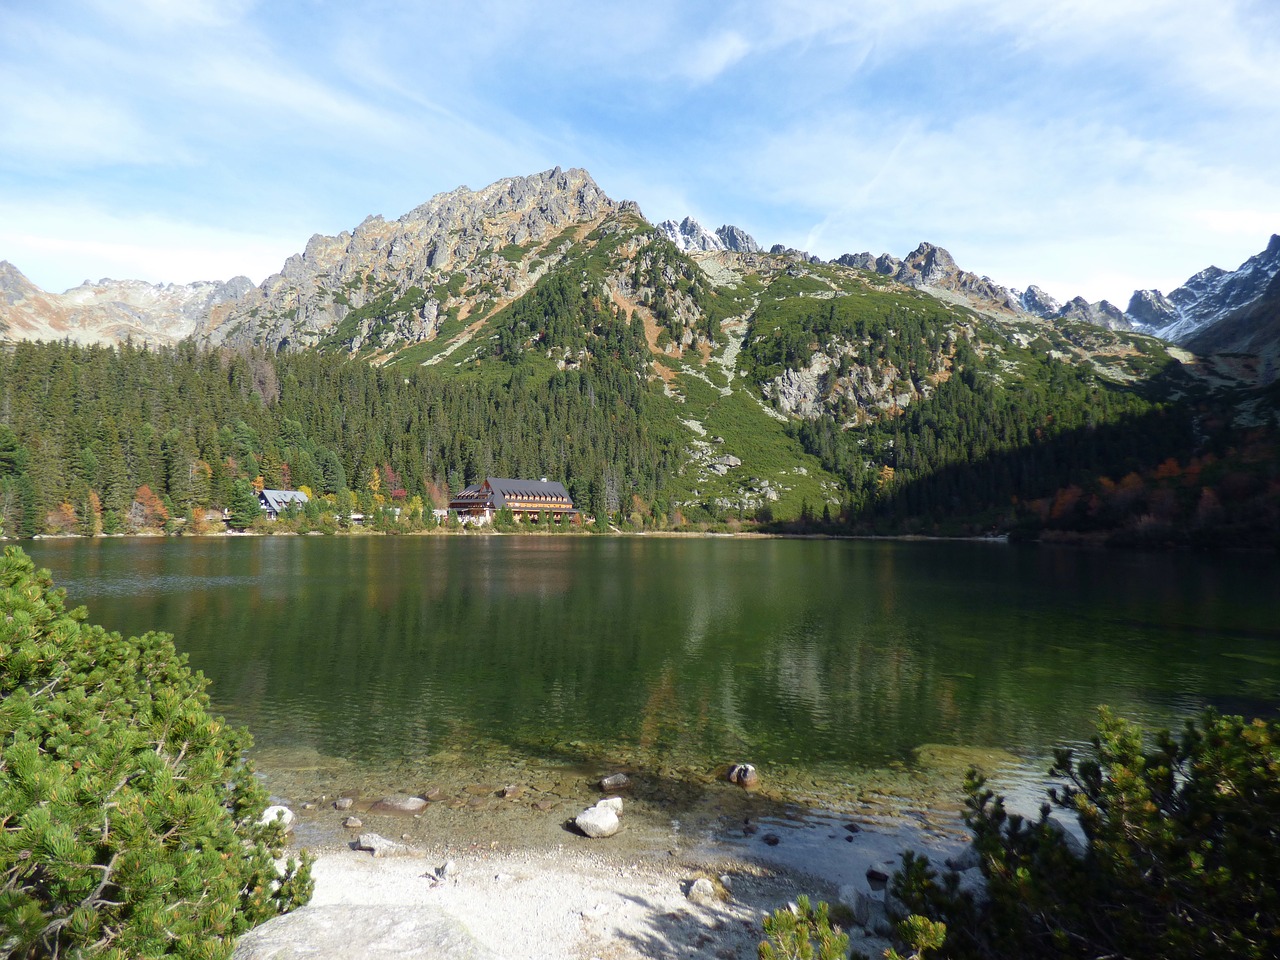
(128, 816)
(1181, 857)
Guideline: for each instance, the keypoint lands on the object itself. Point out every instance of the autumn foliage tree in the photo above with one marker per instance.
(147, 512)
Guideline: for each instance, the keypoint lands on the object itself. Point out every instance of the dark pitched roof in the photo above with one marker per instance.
(498, 489)
(277, 500)
(550, 490)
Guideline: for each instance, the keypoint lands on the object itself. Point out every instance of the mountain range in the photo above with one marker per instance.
(389, 280)
(538, 327)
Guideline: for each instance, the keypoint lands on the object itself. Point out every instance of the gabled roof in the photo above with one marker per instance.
(496, 491)
(277, 500)
(550, 490)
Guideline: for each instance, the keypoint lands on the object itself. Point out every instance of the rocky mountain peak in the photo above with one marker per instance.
(690, 236)
(1037, 302)
(486, 234)
(737, 239)
(928, 266)
(1151, 308)
(14, 285)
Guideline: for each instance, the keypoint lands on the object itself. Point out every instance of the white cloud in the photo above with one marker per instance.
(713, 55)
(49, 242)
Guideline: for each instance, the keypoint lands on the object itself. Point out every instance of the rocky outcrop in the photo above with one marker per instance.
(109, 311)
(690, 236)
(737, 240)
(336, 932)
(1036, 302)
(932, 268)
(779, 250)
(1102, 313)
(1151, 308)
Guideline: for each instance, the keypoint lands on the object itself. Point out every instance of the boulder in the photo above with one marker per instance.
(598, 822)
(611, 803)
(337, 932)
(343, 803)
(744, 775)
(380, 846)
(353, 823)
(702, 892)
(278, 812)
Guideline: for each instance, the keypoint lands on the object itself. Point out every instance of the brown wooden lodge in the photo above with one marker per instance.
(526, 499)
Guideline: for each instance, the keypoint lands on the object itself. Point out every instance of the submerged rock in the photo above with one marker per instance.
(399, 803)
(744, 775)
(615, 782)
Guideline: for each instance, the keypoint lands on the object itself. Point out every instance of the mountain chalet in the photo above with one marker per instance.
(526, 499)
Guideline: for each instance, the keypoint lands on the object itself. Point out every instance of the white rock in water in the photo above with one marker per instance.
(278, 812)
(598, 822)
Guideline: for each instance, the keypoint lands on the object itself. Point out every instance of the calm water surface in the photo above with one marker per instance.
(809, 655)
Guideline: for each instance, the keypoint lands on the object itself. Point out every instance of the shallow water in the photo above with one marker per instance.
(375, 664)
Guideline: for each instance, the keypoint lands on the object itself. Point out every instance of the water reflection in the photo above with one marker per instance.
(824, 654)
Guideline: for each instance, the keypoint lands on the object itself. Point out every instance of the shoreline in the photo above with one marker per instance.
(505, 869)
(623, 898)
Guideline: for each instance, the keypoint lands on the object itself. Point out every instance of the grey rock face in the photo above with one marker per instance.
(1102, 313)
(689, 235)
(859, 261)
(1038, 303)
(1151, 308)
(779, 249)
(109, 311)
(737, 240)
(340, 932)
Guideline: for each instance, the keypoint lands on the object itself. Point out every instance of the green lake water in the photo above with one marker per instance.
(822, 659)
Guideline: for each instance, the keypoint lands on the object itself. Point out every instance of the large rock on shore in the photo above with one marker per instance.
(371, 932)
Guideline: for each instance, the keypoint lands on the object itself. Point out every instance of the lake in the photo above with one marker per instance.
(818, 660)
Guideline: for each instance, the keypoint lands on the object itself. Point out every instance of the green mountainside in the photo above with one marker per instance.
(667, 390)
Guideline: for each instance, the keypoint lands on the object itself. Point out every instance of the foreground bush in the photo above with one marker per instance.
(128, 819)
(1181, 856)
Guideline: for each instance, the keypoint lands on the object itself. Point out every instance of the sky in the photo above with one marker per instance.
(1092, 147)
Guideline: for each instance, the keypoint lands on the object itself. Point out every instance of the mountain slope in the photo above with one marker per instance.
(456, 256)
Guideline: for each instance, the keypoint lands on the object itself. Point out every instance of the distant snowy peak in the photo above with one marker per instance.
(690, 236)
(1214, 294)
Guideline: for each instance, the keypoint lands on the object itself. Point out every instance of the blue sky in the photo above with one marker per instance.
(1092, 146)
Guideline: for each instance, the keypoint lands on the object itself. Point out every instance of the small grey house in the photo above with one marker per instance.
(275, 502)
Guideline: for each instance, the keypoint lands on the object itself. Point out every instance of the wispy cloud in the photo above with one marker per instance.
(1088, 145)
